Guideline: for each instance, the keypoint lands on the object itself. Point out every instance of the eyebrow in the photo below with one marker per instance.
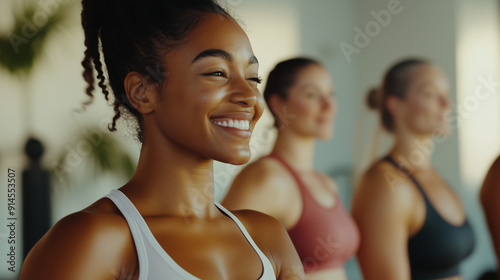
(222, 54)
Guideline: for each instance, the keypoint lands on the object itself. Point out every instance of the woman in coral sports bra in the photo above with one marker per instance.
(285, 185)
(181, 69)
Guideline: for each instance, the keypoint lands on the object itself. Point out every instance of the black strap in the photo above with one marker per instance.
(406, 172)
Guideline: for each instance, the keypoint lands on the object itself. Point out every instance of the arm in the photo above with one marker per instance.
(260, 187)
(490, 195)
(382, 213)
(79, 247)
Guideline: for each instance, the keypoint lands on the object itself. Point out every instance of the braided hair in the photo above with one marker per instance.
(132, 35)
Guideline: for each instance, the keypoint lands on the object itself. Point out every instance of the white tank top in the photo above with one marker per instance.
(154, 262)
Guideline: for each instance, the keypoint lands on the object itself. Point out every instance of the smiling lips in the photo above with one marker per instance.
(233, 123)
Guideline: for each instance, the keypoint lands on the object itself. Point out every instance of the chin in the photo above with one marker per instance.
(236, 158)
(441, 132)
(324, 135)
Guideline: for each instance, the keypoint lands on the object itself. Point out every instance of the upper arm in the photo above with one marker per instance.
(287, 261)
(381, 210)
(257, 187)
(78, 247)
(490, 195)
(273, 240)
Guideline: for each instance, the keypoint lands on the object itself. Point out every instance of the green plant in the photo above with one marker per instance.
(34, 24)
(93, 153)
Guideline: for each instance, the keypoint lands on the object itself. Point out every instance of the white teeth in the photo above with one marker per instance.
(238, 124)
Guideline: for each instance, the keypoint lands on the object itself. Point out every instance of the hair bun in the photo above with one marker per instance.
(373, 98)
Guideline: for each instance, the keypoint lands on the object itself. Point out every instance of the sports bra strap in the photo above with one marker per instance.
(406, 172)
(302, 186)
(288, 167)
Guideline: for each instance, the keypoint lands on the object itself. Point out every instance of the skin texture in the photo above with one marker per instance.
(387, 206)
(265, 185)
(490, 194)
(173, 183)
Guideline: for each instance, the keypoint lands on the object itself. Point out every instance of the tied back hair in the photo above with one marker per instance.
(282, 78)
(370, 139)
(132, 35)
(395, 83)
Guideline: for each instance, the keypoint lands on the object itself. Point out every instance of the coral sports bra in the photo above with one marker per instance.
(154, 262)
(324, 238)
(438, 248)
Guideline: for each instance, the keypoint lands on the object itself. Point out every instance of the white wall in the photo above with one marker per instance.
(478, 112)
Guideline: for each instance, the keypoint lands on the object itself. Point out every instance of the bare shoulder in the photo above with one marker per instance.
(259, 225)
(490, 190)
(273, 240)
(385, 179)
(383, 187)
(90, 243)
(263, 185)
(264, 173)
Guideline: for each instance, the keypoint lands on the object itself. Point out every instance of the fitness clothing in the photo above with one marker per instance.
(154, 262)
(436, 250)
(324, 238)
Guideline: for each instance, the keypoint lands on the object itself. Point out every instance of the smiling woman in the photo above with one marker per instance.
(201, 105)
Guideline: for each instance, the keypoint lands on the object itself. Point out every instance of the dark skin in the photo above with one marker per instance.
(490, 194)
(173, 183)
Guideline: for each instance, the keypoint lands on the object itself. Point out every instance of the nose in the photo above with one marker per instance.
(328, 103)
(445, 102)
(243, 93)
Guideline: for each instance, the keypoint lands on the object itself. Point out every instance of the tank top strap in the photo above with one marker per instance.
(407, 173)
(267, 267)
(133, 218)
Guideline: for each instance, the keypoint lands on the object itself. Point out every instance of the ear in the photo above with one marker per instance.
(275, 103)
(140, 93)
(394, 105)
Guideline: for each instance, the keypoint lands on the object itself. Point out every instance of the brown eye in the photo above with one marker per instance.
(217, 74)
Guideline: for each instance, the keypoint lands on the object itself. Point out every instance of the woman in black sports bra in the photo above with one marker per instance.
(412, 224)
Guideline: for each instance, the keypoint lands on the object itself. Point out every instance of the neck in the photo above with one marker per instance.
(413, 151)
(172, 181)
(297, 150)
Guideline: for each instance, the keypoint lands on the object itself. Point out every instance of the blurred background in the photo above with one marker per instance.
(42, 91)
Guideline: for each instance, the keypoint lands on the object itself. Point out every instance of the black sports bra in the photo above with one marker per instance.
(438, 248)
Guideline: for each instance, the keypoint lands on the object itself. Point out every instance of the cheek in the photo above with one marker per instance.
(304, 108)
(185, 106)
(423, 115)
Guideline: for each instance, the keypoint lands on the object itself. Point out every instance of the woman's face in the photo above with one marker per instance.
(427, 103)
(311, 104)
(209, 100)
